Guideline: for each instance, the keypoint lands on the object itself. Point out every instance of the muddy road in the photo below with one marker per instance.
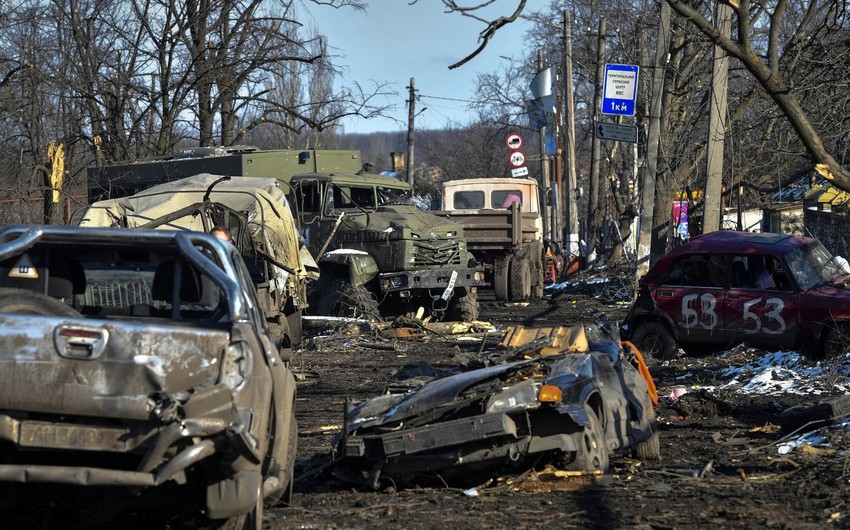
(721, 464)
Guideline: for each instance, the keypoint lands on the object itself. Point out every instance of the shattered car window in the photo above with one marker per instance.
(812, 265)
(394, 196)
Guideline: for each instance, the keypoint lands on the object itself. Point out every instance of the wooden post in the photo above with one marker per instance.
(411, 102)
(596, 150)
(570, 179)
(647, 181)
(713, 202)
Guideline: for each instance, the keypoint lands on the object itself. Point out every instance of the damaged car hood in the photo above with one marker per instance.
(390, 408)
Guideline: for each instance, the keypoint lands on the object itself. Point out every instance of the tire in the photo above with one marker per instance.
(655, 341)
(33, 303)
(341, 299)
(520, 286)
(649, 450)
(501, 278)
(837, 340)
(253, 520)
(592, 454)
(538, 281)
(291, 454)
(814, 415)
(464, 308)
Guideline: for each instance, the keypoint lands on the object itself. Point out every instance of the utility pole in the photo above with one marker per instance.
(544, 167)
(570, 180)
(647, 186)
(713, 203)
(411, 102)
(596, 149)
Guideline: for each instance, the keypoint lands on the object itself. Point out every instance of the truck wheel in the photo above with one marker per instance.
(520, 286)
(501, 278)
(31, 302)
(464, 308)
(538, 281)
(654, 340)
(341, 299)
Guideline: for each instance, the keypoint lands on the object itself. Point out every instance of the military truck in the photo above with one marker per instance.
(502, 220)
(379, 255)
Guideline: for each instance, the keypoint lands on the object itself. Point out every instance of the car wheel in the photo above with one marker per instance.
(341, 299)
(649, 449)
(520, 287)
(592, 453)
(837, 340)
(501, 278)
(654, 340)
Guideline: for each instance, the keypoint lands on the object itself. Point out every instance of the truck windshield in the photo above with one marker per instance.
(812, 265)
(391, 196)
(353, 198)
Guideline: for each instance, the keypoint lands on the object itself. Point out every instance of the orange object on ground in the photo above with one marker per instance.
(644, 371)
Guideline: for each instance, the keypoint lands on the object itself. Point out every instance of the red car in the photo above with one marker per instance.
(724, 288)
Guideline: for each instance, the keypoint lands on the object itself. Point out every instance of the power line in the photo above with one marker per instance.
(448, 99)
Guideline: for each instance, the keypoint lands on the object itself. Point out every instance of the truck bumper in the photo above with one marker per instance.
(430, 279)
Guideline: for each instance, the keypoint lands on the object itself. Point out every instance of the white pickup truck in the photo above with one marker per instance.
(138, 365)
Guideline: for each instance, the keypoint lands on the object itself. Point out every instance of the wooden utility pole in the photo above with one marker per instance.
(713, 203)
(596, 149)
(411, 102)
(570, 180)
(647, 185)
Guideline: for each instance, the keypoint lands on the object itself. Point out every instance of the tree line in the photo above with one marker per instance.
(118, 80)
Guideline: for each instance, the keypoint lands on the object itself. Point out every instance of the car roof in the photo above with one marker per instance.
(732, 241)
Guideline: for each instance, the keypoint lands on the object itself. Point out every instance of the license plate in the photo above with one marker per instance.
(44, 434)
(450, 287)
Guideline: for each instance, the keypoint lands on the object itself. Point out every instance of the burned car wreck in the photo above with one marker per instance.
(137, 368)
(567, 397)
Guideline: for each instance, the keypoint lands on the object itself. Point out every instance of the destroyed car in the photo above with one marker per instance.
(728, 287)
(137, 365)
(567, 397)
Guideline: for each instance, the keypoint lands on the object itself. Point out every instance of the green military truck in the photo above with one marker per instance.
(379, 255)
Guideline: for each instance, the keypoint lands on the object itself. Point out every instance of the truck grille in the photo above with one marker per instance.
(436, 253)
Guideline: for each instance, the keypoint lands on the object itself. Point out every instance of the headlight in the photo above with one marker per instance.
(521, 395)
(237, 359)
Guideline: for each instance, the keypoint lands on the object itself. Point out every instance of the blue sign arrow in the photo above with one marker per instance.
(621, 81)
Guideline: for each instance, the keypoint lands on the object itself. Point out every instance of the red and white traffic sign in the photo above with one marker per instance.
(517, 159)
(513, 141)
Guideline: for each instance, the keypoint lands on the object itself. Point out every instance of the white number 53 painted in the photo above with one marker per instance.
(700, 311)
(775, 324)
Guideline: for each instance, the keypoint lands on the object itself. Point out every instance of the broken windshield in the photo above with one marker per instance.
(394, 196)
(812, 265)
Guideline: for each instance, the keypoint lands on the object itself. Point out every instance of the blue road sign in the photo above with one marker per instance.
(621, 81)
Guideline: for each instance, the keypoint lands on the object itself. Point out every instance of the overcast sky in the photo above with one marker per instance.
(394, 41)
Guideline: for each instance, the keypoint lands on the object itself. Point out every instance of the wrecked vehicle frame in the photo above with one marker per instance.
(572, 404)
(172, 384)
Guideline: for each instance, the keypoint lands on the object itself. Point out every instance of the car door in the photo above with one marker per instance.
(760, 308)
(692, 295)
